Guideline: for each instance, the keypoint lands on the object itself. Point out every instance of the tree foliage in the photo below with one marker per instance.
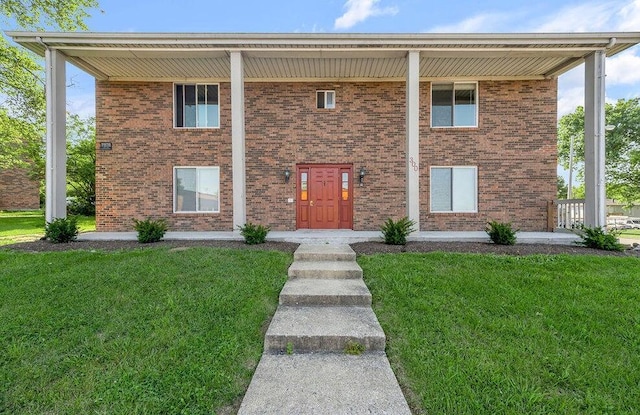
(622, 147)
(22, 113)
(67, 15)
(81, 163)
(562, 188)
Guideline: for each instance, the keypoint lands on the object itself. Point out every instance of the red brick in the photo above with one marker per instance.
(514, 148)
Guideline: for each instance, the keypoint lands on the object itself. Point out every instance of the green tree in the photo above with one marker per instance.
(22, 113)
(81, 163)
(622, 147)
(563, 189)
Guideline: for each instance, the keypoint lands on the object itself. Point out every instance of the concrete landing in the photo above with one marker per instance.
(319, 383)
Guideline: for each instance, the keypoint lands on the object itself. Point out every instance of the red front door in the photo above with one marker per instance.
(324, 197)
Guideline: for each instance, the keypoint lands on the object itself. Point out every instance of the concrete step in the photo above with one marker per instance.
(325, 269)
(325, 292)
(324, 384)
(323, 329)
(309, 252)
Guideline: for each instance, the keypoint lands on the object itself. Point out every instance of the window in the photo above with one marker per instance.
(326, 99)
(304, 195)
(454, 105)
(196, 106)
(345, 186)
(196, 189)
(454, 189)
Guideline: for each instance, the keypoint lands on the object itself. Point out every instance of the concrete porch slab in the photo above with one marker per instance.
(342, 236)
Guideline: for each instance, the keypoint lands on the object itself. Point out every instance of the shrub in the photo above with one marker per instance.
(76, 206)
(150, 230)
(61, 230)
(598, 238)
(395, 233)
(254, 234)
(501, 233)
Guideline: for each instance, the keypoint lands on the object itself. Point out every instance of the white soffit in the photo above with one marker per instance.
(178, 56)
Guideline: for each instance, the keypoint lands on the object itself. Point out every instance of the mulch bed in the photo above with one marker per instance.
(361, 248)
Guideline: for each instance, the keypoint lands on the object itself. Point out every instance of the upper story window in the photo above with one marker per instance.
(454, 104)
(326, 99)
(196, 106)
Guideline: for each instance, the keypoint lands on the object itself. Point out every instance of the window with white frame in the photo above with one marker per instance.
(326, 99)
(196, 189)
(196, 106)
(454, 104)
(454, 189)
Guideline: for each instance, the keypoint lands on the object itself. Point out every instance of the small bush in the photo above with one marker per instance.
(395, 233)
(150, 230)
(598, 238)
(61, 230)
(501, 233)
(76, 206)
(254, 234)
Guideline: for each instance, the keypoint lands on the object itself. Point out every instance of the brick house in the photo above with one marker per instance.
(18, 191)
(211, 131)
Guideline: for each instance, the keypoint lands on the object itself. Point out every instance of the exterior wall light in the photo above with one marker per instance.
(287, 175)
(361, 176)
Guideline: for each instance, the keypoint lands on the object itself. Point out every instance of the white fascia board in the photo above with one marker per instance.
(373, 41)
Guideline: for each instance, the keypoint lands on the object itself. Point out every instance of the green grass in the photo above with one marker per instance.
(142, 331)
(630, 233)
(485, 334)
(22, 226)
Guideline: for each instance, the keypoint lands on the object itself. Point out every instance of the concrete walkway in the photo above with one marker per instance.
(343, 236)
(324, 307)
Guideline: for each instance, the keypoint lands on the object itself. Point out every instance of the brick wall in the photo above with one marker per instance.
(284, 128)
(135, 178)
(17, 191)
(514, 149)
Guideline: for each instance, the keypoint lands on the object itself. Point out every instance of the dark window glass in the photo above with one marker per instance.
(179, 106)
(320, 97)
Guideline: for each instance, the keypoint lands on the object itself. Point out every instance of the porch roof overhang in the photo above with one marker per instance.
(299, 57)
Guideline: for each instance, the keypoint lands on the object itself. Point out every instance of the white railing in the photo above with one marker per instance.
(570, 213)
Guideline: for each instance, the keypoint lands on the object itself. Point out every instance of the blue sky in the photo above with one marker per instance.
(380, 16)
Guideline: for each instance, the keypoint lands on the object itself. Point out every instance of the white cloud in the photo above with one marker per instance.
(569, 99)
(82, 104)
(360, 10)
(591, 16)
(623, 69)
(484, 22)
(586, 17)
(629, 17)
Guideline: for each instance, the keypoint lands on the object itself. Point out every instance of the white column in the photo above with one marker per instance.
(594, 135)
(56, 158)
(237, 141)
(413, 137)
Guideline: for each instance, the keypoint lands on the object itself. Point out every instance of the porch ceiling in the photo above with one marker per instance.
(188, 56)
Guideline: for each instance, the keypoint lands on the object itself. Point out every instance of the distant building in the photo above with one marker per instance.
(18, 191)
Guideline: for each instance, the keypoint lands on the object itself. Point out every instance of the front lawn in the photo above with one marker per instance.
(486, 334)
(23, 226)
(142, 331)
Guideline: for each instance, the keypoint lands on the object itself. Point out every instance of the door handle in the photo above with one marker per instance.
(311, 203)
